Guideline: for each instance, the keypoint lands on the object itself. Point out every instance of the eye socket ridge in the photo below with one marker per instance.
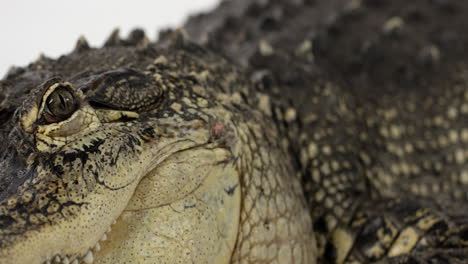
(59, 105)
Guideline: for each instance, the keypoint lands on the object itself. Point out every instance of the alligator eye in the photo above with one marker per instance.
(60, 105)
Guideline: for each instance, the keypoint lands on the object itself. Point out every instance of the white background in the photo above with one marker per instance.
(31, 27)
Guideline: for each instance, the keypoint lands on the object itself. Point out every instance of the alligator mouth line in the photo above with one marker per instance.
(87, 258)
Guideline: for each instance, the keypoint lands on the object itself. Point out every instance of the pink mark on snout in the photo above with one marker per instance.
(217, 129)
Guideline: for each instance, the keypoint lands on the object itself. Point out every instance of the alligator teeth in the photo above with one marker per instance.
(57, 260)
(88, 259)
(97, 247)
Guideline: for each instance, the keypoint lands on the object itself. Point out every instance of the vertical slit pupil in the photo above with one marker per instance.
(63, 101)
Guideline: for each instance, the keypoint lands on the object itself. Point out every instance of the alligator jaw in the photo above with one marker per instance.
(77, 229)
(87, 258)
(192, 211)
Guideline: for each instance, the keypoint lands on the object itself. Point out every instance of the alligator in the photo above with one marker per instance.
(264, 131)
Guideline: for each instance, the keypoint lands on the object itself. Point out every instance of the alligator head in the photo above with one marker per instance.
(169, 146)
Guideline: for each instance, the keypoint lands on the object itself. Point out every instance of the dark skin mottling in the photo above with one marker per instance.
(380, 88)
(304, 131)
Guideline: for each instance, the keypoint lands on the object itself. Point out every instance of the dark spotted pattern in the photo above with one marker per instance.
(369, 102)
(381, 90)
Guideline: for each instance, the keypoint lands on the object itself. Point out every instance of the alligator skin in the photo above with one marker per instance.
(277, 132)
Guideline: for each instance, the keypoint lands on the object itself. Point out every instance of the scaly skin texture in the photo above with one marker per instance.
(289, 132)
(381, 92)
(171, 141)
